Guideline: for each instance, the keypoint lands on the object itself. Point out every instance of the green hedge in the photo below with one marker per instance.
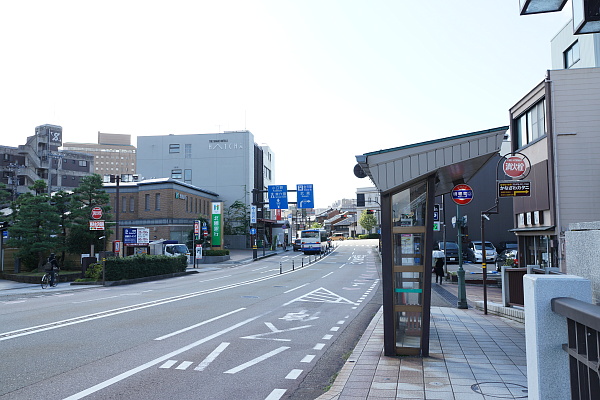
(369, 236)
(142, 266)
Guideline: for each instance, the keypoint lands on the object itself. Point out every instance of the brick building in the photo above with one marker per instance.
(166, 206)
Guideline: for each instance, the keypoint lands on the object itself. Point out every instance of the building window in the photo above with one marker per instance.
(531, 125)
(571, 55)
(176, 174)
(83, 163)
(124, 204)
(147, 202)
(188, 151)
(131, 204)
(173, 148)
(187, 175)
(157, 201)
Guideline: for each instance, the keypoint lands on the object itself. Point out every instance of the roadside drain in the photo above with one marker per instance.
(500, 390)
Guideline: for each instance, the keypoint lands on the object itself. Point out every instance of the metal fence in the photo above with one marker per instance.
(583, 324)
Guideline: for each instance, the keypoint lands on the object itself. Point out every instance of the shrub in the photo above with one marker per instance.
(142, 266)
(369, 236)
(94, 271)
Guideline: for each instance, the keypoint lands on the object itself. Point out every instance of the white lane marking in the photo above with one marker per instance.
(319, 346)
(214, 279)
(211, 357)
(308, 358)
(291, 290)
(335, 329)
(158, 360)
(326, 275)
(116, 311)
(199, 324)
(276, 394)
(300, 316)
(168, 364)
(294, 374)
(258, 269)
(184, 365)
(342, 266)
(274, 330)
(340, 322)
(256, 360)
(100, 298)
(327, 337)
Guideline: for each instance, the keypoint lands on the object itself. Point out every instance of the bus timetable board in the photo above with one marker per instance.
(514, 188)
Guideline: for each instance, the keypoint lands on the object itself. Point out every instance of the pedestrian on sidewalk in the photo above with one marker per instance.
(438, 264)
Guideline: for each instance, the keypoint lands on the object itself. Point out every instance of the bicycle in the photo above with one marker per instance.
(46, 279)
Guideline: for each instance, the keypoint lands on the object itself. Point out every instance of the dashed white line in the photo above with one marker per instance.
(294, 374)
(276, 394)
(340, 322)
(335, 328)
(199, 324)
(319, 346)
(327, 337)
(291, 290)
(308, 358)
(184, 365)
(326, 275)
(168, 364)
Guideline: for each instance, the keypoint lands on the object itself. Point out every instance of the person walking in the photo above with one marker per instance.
(438, 265)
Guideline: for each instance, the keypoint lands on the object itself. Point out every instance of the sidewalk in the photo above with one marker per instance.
(472, 356)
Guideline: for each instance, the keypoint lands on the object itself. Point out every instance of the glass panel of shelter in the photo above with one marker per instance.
(409, 208)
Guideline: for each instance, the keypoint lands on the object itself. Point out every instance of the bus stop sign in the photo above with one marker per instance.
(462, 194)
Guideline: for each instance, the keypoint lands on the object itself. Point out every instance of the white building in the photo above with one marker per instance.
(229, 163)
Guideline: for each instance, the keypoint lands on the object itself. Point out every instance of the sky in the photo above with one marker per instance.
(318, 81)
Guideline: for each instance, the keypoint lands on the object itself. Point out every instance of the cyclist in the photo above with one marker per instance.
(53, 268)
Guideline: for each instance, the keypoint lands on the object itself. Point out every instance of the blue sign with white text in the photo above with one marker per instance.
(278, 197)
(129, 236)
(305, 196)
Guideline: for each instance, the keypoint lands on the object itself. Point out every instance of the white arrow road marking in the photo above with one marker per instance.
(302, 315)
(274, 331)
(256, 360)
(211, 357)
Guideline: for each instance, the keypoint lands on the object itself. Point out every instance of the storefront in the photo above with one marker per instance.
(408, 179)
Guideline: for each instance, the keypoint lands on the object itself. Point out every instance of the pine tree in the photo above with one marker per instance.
(35, 226)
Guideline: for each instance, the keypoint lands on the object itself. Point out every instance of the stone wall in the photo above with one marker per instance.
(583, 253)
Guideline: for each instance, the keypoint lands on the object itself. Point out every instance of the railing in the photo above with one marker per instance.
(583, 325)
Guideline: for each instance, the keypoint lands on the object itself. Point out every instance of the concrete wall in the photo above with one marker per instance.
(583, 253)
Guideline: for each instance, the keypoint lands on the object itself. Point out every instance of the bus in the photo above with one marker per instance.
(314, 241)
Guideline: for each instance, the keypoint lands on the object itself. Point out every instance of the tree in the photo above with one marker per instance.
(87, 195)
(4, 194)
(367, 221)
(62, 201)
(236, 219)
(316, 225)
(35, 226)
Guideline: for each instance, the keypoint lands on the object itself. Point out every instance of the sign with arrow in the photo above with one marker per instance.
(278, 197)
(306, 198)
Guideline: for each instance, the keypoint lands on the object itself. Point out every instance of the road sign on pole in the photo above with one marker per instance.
(278, 197)
(96, 213)
(305, 196)
(462, 194)
(515, 167)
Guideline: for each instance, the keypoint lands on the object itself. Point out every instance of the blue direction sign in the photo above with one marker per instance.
(278, 197)
(306, 198)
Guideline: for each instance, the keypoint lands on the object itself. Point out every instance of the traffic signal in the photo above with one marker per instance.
(370, 211)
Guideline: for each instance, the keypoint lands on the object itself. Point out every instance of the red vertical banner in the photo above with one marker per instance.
(278, 214)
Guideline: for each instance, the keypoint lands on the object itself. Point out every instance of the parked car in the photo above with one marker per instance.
(507, 245)
(505, 255)
(297, 245)
(338, 236)
(450, 250)
(474, 252)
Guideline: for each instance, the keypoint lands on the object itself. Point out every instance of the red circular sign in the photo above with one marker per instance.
(462, 194)
(514, 167)
(96, 213)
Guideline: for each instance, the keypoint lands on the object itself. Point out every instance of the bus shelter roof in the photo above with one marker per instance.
(454, 159)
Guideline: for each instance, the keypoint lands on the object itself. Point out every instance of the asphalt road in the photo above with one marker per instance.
(247, 332)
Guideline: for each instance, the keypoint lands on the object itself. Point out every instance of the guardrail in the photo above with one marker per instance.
(583, 325)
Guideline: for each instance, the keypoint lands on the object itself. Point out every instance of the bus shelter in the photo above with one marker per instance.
(409, 178)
